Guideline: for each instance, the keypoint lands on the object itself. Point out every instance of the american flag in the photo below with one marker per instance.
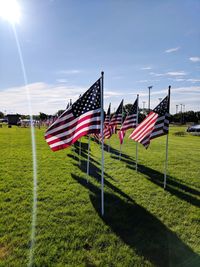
(154, 125)
(109, 131)
(81, 118)
(107, 118)
(129, 122)
(116, 119)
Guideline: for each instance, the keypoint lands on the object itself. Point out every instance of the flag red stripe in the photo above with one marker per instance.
(65, 137)
(72, 122)
(121, 136)
(58, 147)
(142, 124)
(73, 128)
(144, 127)
(84, 131)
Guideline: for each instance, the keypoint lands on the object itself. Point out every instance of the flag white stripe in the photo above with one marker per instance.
(143, 134)
(71, 130)
(67, 124)
(147, 129)
(63, 118)
(144, 129)
(129, 121)
(141, 125)
(91, 127)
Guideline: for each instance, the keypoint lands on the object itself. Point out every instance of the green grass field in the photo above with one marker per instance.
(143, 225)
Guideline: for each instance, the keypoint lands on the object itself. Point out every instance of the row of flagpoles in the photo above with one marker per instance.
(86, 117)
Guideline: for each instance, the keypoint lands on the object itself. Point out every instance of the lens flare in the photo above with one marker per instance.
(10, 11)
(34, 156)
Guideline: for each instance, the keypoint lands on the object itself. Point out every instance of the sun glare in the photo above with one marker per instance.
(10, 10)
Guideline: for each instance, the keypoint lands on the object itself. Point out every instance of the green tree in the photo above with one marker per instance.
(1, 115)
(127, 108)
(43, 116)
(60, 112)
(184, 117)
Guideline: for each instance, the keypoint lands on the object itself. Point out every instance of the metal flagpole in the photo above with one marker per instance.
(79, 147)
(88, 159)
(120, 154)
(150, 87)
(166, 162)
(109, 138)
(136, 166)
(167, 138)
(102, 146)
(80, 152)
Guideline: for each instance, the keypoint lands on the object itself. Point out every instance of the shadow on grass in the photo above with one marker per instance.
(141, 230)
(84, 152)
(94, 171)
(83, 161)
(115, 152)
(176, 188)
(84, 148)
(124, 158)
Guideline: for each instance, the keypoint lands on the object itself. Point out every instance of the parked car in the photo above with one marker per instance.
(195, 129)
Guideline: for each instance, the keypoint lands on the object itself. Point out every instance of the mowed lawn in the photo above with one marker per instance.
(143, 225)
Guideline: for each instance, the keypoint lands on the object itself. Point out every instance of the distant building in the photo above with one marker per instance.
(13, 119)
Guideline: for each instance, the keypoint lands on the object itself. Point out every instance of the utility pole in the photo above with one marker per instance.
(144, 102)
(176, 109)
(181, 107)
(150, 87)
(181, 113)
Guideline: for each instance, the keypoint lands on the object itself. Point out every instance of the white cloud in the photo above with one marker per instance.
(195, 59)
(193, 80)
(146, 68)
(109, 94)
(157, 74)
(142, 81)
(187, 90)
(179, 80)
(176, 73)
(187, 95)
(147, 81)
(172, 49)
(44, 97)
(69, 72)
(50, 98)
(177, 90)
(118, 77)
(61, 80)
(170, 73)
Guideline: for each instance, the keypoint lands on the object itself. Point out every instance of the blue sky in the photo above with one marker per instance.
(66, 44)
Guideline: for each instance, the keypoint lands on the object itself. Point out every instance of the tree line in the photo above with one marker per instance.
(181, 117)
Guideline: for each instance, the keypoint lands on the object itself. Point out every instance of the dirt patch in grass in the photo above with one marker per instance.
(181, 134)
(4, 251)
